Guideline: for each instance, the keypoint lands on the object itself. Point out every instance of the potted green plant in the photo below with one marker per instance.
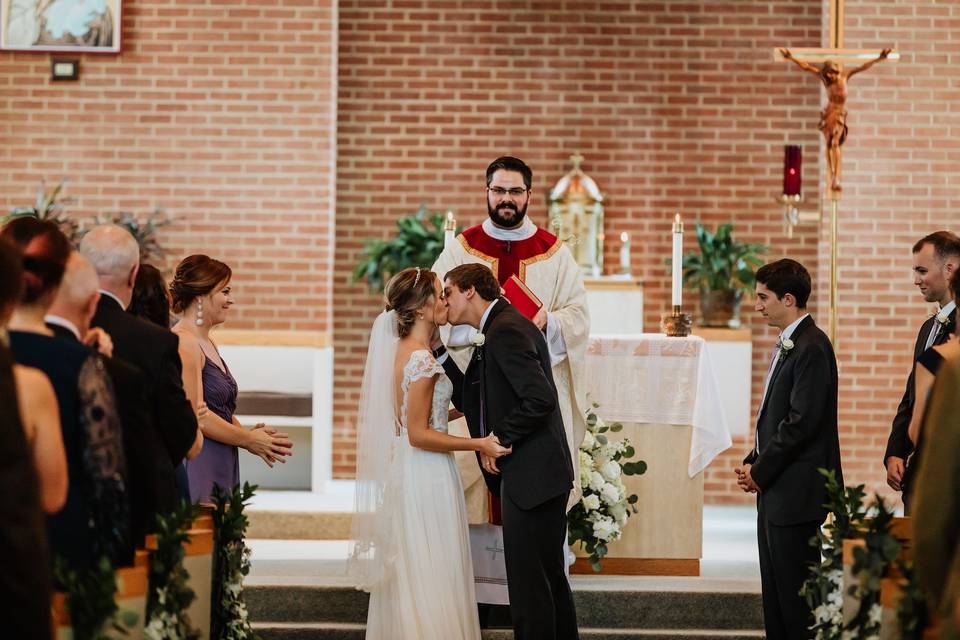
(51, 206)
(418, 243)
(721, 270)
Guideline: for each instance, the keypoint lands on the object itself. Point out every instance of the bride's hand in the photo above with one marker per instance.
(491, 447)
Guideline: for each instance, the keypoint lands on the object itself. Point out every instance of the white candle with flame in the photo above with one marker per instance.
(624, 253)
(677, 260)
(449, 230)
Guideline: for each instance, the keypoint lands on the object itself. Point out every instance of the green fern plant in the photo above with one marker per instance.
(722, 262)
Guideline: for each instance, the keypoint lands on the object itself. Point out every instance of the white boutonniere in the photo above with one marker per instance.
(478, 340)
(943, 318)
(784, 345)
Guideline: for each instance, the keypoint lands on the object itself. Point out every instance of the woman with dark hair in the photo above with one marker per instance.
(150, 300)
(94, 521)
(200, 292)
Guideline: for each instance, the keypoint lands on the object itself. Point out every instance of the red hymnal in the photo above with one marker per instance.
(521, 297)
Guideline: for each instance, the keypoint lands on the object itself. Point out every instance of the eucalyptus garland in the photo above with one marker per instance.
(170, 595)
(870, 563)
(823, 590)
(90, 600)
(912, 617)
(229, 619)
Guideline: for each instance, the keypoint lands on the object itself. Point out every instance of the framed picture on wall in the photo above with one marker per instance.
(60, 25)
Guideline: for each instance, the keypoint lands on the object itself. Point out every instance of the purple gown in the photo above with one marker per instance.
(217, 463)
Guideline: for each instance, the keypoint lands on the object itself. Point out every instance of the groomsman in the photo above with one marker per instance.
(796, 434)
(935, 258)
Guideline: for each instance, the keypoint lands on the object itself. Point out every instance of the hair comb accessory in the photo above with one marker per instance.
(417, 279)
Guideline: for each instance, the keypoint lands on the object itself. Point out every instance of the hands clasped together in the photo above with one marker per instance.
(744, 480)
(490, 449)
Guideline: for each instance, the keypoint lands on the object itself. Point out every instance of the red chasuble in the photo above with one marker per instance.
(509, 257)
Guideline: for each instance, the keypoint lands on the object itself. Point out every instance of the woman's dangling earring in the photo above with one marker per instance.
(199, 320)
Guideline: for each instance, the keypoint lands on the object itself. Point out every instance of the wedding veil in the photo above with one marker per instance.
(372, 538)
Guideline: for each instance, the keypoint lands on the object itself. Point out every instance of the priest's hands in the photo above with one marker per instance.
(541, 319)
(744, 480)
(895, 469)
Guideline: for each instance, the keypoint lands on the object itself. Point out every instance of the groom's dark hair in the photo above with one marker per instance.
(478, 276)
(786, 276)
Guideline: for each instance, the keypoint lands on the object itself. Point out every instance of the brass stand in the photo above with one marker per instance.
(834, 215)
(676, 324)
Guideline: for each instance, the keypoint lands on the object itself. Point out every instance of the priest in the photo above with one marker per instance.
(511, 245)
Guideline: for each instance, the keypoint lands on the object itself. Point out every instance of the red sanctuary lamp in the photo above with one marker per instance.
(791, 199)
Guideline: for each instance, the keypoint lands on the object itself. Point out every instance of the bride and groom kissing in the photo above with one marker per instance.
(411, 546)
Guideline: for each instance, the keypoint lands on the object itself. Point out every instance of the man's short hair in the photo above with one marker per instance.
(786, 276)
(945, 244)
(478, 276)
(509, 163)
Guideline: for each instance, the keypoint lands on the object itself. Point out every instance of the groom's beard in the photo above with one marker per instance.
(502, 216)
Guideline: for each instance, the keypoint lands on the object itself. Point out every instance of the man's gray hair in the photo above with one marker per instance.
(111, 249)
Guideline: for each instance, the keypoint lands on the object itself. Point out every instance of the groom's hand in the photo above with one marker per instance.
(744, 480)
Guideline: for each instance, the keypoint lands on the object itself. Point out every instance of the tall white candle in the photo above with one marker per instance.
(677, 261)
(624, 253)
(449, 230)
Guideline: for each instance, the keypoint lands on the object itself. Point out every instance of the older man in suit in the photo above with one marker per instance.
(796, 434)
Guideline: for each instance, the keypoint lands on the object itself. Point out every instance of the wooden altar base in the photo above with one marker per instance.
(640, 567)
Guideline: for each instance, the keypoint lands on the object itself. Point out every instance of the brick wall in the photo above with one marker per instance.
(221, 113)
(676, 107)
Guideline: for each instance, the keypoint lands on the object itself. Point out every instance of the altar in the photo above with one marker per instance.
(665, 392)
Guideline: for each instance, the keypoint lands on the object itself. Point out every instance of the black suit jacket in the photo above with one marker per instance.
(151, 478)
(510, 379)
(898, 444)
(797, 427)
(153, 350)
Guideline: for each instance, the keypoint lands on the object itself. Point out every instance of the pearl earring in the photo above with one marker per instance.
(199, 320)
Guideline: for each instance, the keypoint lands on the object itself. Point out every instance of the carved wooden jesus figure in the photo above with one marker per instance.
(833, 117)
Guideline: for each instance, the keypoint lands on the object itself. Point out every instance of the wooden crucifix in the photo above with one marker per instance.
(833, 117)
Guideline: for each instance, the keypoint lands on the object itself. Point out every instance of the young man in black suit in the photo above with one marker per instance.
(796, 434)
(151, 349)
(508, 390)
(935, 258)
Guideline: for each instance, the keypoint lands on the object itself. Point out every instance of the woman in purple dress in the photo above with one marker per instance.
(200, 293)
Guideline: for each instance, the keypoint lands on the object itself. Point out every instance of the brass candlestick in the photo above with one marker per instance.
(676, 324)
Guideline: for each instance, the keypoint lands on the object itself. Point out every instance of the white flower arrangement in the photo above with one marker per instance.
(603, 510)
(478, 339)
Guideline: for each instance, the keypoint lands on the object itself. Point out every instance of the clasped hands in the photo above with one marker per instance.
(490, 449)
(744, 480)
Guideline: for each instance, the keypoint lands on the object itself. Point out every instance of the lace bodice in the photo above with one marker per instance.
(423, 365)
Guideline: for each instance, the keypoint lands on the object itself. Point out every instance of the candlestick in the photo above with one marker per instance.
(677, 261)
(624, 253)
(449, 230)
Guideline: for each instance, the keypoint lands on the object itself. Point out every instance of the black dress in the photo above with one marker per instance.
(95, 520)
(931, 360)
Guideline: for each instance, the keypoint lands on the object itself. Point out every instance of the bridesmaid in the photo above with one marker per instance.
(200, 293)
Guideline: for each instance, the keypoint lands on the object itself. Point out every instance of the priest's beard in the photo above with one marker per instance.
(506, 214)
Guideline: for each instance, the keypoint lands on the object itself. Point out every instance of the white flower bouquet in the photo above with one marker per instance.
(603, 510)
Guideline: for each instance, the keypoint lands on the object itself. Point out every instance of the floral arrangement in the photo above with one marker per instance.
(912, 615)
(51, 206)
(229, 619)
(143, 231)
(603, 510)
(90, 601)
(870, 564)
(170, 595)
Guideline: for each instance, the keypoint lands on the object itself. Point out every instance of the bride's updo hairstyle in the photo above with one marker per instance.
(196, 276)
(406, 293)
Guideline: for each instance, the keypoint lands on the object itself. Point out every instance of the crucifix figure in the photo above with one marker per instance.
(833, 117)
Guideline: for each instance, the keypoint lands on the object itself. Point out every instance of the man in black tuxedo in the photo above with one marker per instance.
(151, 476)
(508, 390)
(796, 434)
(935, 258)
(151, 349)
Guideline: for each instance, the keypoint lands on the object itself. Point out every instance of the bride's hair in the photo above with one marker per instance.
(406, 293)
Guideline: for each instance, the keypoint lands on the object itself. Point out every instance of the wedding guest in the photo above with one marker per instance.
(151, 476)
(935, 258)
(153, 350)
(94, 522)
(25, 581)
(200, 292)
(796, 434)
(150, 300)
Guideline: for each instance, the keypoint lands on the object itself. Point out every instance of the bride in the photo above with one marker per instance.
(410, 545)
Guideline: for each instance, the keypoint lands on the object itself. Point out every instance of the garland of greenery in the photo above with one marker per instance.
(170, 595)
(231, 562)
(912, 616)
(823, 590)
(870, 563)
(90, 600)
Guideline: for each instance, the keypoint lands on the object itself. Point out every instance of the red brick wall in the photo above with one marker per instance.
(223, 114)
(676, 107)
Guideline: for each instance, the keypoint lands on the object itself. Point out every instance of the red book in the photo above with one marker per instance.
(521, 297)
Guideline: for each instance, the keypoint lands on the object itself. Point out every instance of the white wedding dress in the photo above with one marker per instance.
(426, 590)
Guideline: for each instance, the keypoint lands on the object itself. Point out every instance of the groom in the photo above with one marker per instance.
(508, 390)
